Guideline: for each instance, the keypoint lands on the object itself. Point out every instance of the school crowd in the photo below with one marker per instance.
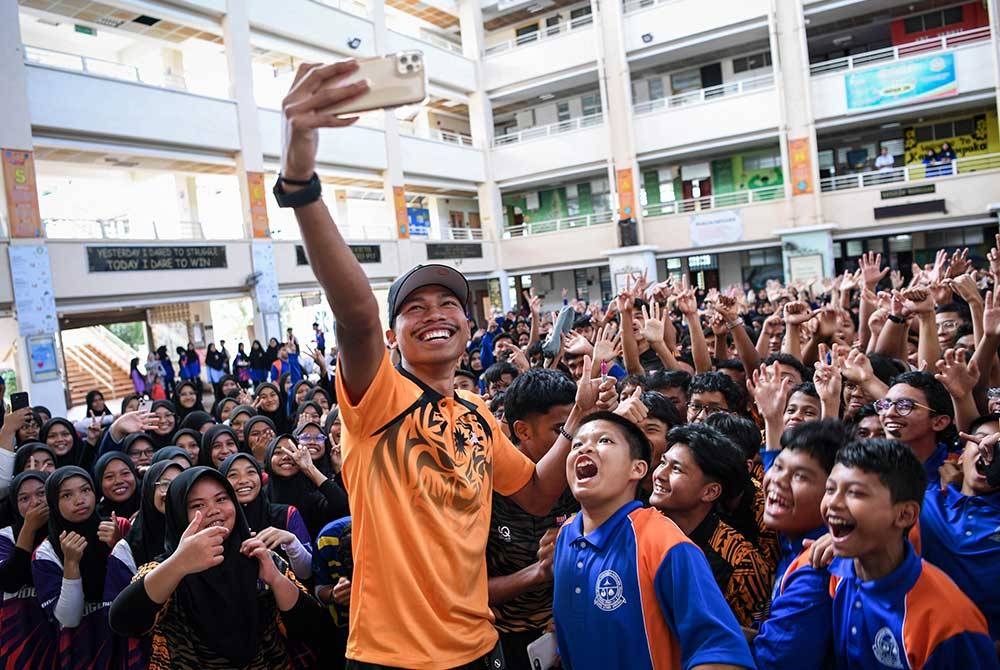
(804, 477)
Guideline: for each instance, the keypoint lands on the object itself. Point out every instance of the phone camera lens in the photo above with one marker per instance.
(404, 59)
(415, 58)
(409, 68)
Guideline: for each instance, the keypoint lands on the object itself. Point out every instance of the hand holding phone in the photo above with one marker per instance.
(393, 80)
(19, 400)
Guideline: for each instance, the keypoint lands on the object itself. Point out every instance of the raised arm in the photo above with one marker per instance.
(315, 90)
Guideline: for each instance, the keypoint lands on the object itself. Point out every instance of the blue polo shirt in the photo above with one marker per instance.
(933, 464)
(961, 535)
(636, 593)
(914, 617)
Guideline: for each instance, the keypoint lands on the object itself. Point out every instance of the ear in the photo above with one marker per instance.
(711, 492)
(939, 422)
(639, 470)
(907, 513)
(521, 430)
(390, 337)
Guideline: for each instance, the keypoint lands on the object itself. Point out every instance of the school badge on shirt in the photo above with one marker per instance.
(609, 594)
(886, 649)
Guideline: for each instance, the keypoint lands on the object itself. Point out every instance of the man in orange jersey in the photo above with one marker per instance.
(421, 461)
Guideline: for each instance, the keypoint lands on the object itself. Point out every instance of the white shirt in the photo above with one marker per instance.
(884, 162)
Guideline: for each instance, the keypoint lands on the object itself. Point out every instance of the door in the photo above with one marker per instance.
(698, 191)
(711, 76)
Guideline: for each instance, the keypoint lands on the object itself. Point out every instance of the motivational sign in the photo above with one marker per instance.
(365, 253)
(910, 80)
(440, 252)
(142, 259)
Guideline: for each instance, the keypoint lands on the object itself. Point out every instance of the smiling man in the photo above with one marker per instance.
(917, 410)
(421, 461)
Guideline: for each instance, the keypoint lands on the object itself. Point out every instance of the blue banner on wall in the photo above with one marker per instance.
(923, 78)
(420, 221)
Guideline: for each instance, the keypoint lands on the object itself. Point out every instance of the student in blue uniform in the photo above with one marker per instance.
(960, 525)
(797, 631)
(890, 608)
(631, 591)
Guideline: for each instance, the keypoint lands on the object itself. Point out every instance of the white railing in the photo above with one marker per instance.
(350, 6)
(636, 5)
(705, 94)
(911, 173)
(99, 67)
(716, 200)
(557, 128)
(119, 228)
(901, 51)
(461, 234)
(545, 33)
(440, 42)
(110, 345)
(437, 135)
(554, 225)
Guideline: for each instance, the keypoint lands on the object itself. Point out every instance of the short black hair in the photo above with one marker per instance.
(535, 350)
(729, 364)
(719, 459)
(707, 382)
(789, 360)
(820, 439)
(896, 465)
(462, 372)
(886, 367)
(957, 307)
(667, 379)
(493, 373)
(980, 420)
(635, 380)
(867, 410)
(805, 388)
(661, 408)
(938, 398)
(582, 321)
(503, 335)
(742, 431)
(498, 401)
(639, 447)
(536, 392)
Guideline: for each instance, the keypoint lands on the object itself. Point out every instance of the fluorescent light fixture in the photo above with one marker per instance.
(546, 96)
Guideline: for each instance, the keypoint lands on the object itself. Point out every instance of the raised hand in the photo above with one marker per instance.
(917, 301)
(687, 303)
(896, 279)
(305, 110)
(856, 367)
(770, 391)
(641, 281)
(936, 273)
(633, 408)
(955, 374)
(300, 454)
(826, 378)
(607, 345)
(654, 326)
(73, 545)
(994, 256)
(274, 538)
(136, 422)
(871, 275)
(516, 357)
(798, 312)
(108, 531)
(965, 286)
(267, 571)
(991, 314)
(576, 344)
(587, 387)
(199, 548)
(727, 308)
(342, 592)
(941, 292)
(958, 264)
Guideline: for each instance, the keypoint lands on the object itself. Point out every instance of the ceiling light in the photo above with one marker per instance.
(546, 96)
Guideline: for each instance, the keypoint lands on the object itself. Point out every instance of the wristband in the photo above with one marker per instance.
(562, 431)
(308, 195)
(734, 324)
(897, 319)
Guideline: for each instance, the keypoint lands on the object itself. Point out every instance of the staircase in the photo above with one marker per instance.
(96, 359)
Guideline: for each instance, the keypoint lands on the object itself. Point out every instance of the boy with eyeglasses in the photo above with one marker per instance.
(711, 392)
(917, 411)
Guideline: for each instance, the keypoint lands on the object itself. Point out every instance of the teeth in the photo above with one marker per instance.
(435, 334)
(658, 488)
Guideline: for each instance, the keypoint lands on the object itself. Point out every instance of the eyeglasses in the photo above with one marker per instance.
(141, 452)
(696, 409)
(904, 406)
(163, 484)
(311, 439)
(948, 325)
(993, 393)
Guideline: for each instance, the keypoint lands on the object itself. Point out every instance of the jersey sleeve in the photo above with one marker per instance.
(799, 632)
(965, 650)
(48, 578)
(512, 470)
(364, 415)
(297, 527)
(707, 631)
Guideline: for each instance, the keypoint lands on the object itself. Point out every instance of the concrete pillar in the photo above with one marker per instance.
(250, 172)
(797, 131)
(630, 260)
(616, 93)
(22, 221)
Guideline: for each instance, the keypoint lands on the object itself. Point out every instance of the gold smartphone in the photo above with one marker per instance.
(394, 80)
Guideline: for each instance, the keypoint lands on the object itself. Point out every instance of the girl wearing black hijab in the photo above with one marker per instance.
(216, 445)
(118, 485)
(26, 636)
(308, 412)
(140, 449)
(70, 449)
(173, 455)
(199, 421)
(95, 404)
(293, 479)
(166, 423)
(189, 440)
(269, 404)
(257, 434)
(298, 396)
(29, 430)
(259, 366)
(70, 572)
(130, 403)
(211, 565)
(144, 541)
(224, 408)
(186, 399)
(279, 527)
(34, 456)
(238, 418)
(321, 397)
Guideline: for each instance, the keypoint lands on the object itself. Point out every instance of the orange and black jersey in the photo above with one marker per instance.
(742, 574)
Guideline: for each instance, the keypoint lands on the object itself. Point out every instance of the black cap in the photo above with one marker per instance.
(427, 275)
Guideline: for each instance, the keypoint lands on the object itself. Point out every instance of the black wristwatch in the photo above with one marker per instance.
(897, 319)
(310, 194)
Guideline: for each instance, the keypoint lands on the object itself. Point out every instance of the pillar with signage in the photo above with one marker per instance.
(627, 261)
(263, 283)
(37, 361)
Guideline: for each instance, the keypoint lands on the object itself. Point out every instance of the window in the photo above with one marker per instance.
(527, 34)
(685, 81)
(607, 294)
(655, 88)
(600, 195)
(760, 257)
(702, 262)
(580, 280)
(552, 25)
(562, 111)
(945, 130)
(580, 16)
(752, 62)
(591, 104)
(762, 161)
(932, 20)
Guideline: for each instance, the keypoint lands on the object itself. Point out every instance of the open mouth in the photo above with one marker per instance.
(893, 428)
(216, 524)
(586, 469)
(776, 504)
(436, 335)
(120, 490)
(244, 490)
(839, 527)
(982, 466)
(659, 489)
